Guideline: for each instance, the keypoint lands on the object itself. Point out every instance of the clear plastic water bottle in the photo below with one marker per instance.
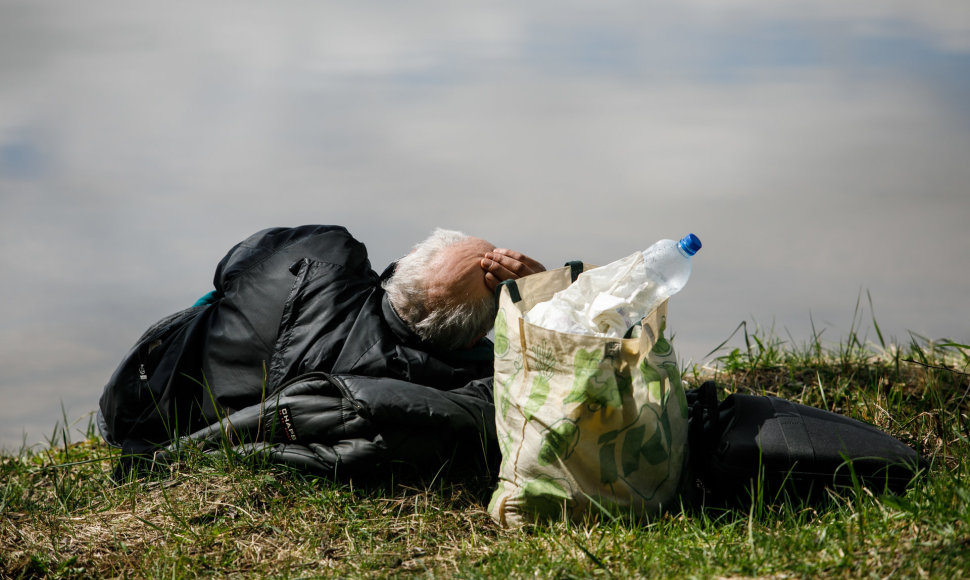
(668, 265)
(608, 300)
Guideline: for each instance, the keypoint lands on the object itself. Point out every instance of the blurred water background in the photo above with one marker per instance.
(821, 151)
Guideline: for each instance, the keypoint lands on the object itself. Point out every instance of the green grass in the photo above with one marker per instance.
(61, 515)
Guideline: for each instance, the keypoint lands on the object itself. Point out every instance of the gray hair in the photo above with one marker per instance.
(447, 325)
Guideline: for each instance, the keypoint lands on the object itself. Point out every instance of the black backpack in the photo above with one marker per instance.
(147, 402)
(762, 448)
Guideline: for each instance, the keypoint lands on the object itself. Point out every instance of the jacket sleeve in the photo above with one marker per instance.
(348, 426)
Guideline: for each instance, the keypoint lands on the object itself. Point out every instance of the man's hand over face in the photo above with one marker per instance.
(503, 264)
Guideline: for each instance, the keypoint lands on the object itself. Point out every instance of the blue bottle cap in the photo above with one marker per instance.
(690, 244)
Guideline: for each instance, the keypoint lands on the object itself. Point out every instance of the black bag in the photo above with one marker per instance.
(144, 403)
(752, 447)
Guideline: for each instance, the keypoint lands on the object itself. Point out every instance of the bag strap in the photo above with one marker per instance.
(575, 269)
(513, 290)
(703, 428)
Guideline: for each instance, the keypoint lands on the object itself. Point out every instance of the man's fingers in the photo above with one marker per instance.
(507, 264)
(517, 257)
(495, 268)
(504, 264)
(491, 281)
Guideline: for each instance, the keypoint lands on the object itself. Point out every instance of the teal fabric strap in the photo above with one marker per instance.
(207, 299)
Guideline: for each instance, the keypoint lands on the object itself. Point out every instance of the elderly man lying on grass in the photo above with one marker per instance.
(304, 355)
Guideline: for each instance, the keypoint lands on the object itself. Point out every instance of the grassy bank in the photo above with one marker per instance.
(61, 516)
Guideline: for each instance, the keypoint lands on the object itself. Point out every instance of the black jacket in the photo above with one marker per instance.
(299, 310)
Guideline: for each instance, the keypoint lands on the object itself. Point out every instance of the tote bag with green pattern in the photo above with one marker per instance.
(587, 425)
